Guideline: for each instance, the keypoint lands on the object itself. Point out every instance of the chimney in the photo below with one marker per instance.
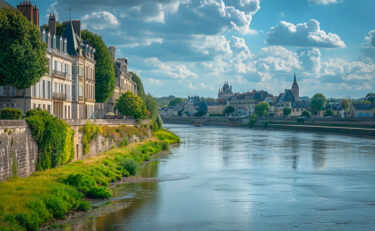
(29, 11)
(77, 27)
(112, 50)
(52, 23)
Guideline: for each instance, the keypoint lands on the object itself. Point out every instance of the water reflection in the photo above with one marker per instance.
(241, 179)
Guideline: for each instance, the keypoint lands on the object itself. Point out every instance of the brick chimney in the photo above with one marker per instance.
(77, 27)
(52, 23)
(29, 11)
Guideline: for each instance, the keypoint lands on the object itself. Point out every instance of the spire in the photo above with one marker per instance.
(295, 80)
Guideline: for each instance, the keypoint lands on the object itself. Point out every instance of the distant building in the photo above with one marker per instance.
(362, 110)
(225, 92)
(295, 88)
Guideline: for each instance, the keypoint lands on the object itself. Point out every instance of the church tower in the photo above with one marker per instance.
(295, 88)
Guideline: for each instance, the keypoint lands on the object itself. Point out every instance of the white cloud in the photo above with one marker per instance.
(99, 20)
(310, 60)
(302, 35)
(325, 2)
(176, 71)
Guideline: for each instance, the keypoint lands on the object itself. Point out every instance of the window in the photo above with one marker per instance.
(80, 90)
(49, 108)
(44, 89)
(81, 70)
(49, 89)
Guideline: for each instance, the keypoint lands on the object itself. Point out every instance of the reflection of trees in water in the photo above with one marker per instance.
(319, 152)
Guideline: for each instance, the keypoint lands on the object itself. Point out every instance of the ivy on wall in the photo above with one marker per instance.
(54, 139)
(89, 133)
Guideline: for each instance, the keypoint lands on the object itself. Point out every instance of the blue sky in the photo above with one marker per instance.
(190, 47)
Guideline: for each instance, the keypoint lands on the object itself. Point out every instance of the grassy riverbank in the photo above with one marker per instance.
(28, 203)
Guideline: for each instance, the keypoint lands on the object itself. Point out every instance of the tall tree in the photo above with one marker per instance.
(22, 53)
(151, 106)
(261, 108)
(130, 104)
(104, 69)
(318, 102)
(141, 91)
(229, 110)
(345, 104)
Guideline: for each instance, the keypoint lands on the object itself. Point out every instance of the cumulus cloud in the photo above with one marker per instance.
(371, 38)
(176, 71)
(310, 60)
(324, 2)
(99, 20)
(306, 34)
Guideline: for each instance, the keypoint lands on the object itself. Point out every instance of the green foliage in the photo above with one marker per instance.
(286, 111)
(52, 194)
(329, 112)
(345, 104)
(124, 142)
(104, 69)
(229, 110)
(37, 111)
(318, 102)
(300, 120)
(23, 55)
(54, 138)
(130, 104)
(99, 192)
(168, 136)
(140, 90)
(130, 165)
(89, 133)
(261, 108)
(10, 114)
(176, 101)
(252, 120)
(306, 114)
(151, 106)
(84, 206)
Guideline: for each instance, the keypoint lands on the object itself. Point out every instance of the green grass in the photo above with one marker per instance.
(28, 203)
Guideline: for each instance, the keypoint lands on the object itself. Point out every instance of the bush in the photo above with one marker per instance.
(99, 192)
(253, 120)
(89, 133)
(306, 114)
(84, 206)
(124, 142)
(329, 112)
(38, 112)
(81, 182)
(300, 119)
(10, 114)
(130, 165)
(56, 206)
(27, 221)
(164, 146)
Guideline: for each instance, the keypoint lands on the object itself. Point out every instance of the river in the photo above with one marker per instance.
(223, 178)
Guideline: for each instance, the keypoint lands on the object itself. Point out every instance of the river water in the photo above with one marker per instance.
(223, 178)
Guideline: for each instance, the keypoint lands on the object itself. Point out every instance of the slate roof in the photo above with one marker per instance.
(72, 38)
(363, 106)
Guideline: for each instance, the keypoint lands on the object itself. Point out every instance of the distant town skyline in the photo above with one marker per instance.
(184, 47)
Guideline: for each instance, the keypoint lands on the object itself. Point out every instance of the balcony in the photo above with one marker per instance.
(59, 73)
(80, 98)
(59, 96)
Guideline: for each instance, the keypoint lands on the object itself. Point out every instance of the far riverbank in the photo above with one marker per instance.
(349, 126)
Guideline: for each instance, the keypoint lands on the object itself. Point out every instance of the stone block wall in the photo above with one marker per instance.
(18, 150)
(17, 144)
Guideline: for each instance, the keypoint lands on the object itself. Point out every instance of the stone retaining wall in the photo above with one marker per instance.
(18, 149)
